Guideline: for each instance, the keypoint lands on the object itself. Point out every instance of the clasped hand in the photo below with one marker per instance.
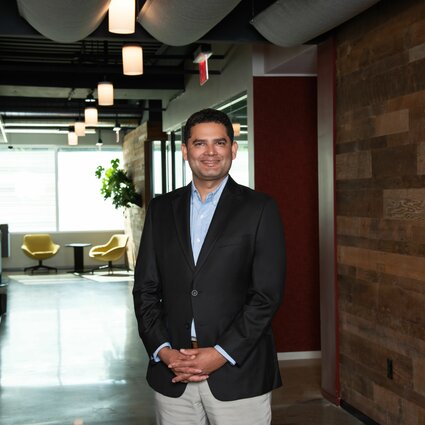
(192, 365)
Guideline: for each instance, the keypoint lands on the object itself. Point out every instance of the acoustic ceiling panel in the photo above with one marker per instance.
(182, 22)
(64, 21)
(290, 23)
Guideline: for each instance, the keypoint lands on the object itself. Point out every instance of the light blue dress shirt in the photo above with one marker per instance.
(201, 214)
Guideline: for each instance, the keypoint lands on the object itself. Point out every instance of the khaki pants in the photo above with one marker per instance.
(197, 406)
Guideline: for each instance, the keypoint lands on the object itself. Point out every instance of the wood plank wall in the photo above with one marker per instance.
(380, 205)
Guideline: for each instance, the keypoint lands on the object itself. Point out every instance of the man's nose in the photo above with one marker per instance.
(211, 149)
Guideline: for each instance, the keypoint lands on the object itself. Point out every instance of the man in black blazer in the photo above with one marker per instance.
(208, 281)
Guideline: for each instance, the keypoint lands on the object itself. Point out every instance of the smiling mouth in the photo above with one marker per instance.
(210, 163)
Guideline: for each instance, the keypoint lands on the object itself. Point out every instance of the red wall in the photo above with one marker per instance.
(285, 145)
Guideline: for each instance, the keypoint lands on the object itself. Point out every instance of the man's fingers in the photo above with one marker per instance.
(189, 351)
(185, 378)
(182, 363)
(198, 378)
(181, 378)
(184, 369)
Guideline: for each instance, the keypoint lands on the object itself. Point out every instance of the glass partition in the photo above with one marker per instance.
(169, 171)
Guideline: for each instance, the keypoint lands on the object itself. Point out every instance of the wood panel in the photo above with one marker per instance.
(380, 204)
(354, 165)
(421, 158)
(404, 204)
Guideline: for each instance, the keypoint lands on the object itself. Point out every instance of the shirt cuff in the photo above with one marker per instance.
(155, 357)
(225, 355)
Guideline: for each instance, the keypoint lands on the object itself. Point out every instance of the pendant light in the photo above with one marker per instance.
(80, 127)
(90, 111)
(72, 136)
(132, 59)
(122, 16)
(236, 129)
(90, 115)
(105, 93)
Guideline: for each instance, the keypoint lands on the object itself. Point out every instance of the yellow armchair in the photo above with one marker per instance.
(39, 247)
(113, 250)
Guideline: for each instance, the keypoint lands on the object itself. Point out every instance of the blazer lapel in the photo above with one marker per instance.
(181, 210)
(228, 202)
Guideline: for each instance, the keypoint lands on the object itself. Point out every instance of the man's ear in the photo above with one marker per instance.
(184, 151)
(234, 149)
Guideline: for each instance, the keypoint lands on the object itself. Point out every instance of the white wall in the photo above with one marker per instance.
(64, 259)
(235, 78)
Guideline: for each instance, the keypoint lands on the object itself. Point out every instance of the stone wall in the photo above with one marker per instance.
(134, 164)
(380, 207)
(135, 145)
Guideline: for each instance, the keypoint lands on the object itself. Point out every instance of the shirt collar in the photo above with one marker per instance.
(214, 196)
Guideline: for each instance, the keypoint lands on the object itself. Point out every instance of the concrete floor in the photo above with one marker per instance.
(70, 354)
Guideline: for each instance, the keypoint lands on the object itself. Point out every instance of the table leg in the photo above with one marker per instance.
(78, 259)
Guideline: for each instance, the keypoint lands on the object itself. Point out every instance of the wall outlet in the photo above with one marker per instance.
(390, 368)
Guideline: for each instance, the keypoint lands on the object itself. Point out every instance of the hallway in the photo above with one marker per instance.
(70, 354)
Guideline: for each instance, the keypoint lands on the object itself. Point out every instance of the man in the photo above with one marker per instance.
(208, 281)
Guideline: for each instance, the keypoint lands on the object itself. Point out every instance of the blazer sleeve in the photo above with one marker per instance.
(147, 294)
(265, 290)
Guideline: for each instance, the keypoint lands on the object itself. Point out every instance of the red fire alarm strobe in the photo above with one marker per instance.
(203, 72)
(201, 58)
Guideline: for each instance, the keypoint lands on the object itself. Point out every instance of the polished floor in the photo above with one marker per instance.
(70, 354)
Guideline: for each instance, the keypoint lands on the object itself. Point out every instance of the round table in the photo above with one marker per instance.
(78, 256)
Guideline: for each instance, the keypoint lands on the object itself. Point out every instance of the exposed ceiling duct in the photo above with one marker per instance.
(290, 23)
(48, 76)
(182, 22)
(64, 21)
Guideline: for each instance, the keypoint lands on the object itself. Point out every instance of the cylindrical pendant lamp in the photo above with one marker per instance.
(90, 115)
(105, 93)
(236, 129)
(122, 16)
(72, 137)
(132, 59)
(80, 128)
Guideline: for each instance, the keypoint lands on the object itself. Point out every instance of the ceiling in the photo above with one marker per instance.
(42, 80)
(46, 82)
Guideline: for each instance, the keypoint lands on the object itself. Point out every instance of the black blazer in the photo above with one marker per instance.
(232, 293)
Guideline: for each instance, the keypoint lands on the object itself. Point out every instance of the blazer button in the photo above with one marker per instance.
(194, 293)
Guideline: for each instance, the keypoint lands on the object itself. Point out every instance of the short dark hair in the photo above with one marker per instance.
(207, 115)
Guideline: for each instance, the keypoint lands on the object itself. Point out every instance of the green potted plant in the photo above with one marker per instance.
(117, 185)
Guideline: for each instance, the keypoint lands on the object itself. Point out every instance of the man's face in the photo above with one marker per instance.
(209, 152)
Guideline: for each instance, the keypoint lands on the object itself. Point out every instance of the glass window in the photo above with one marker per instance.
(156, 168)
(236, 109)
(180, 178)
(28, 189)
(52, 189)
(81, 205)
